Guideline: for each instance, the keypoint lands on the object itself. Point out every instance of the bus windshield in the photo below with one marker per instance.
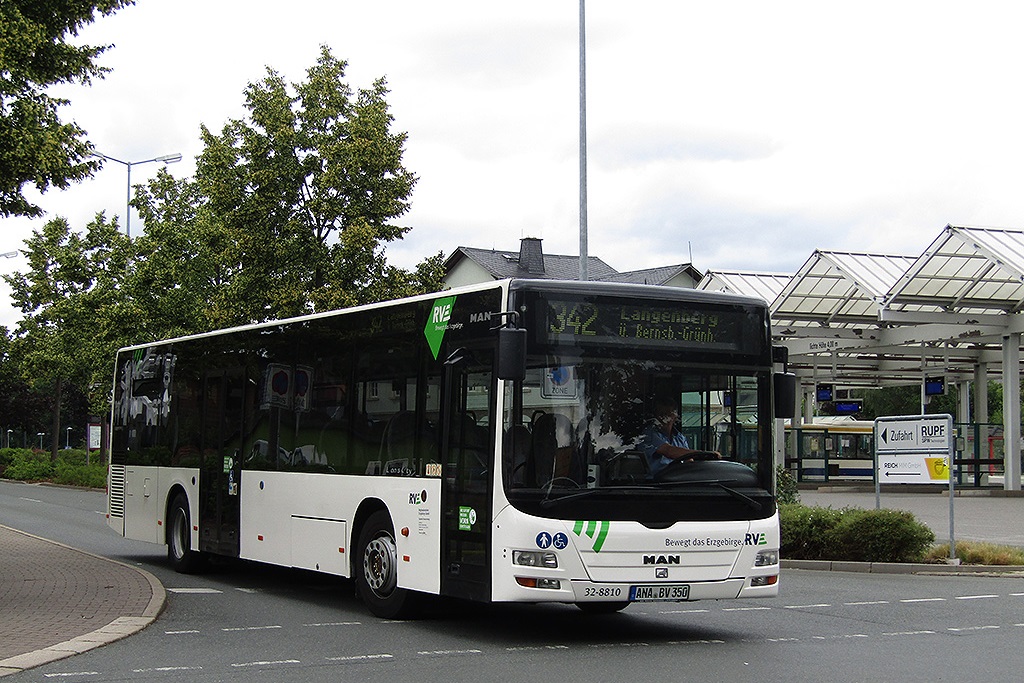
(584, 432)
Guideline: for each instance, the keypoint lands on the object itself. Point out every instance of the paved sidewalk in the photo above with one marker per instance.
(56, 601)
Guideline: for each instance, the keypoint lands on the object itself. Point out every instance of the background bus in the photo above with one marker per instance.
(419, 449)
(831, 448)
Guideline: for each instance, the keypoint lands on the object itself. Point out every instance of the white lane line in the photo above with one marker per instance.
(363, 657)
(335, 623)
(167, 668)
(867, 602)
(250, 591)
(687, 611)
(745, 609)
(910, 633)
(73, 673)
(195, 591)
(972, 628)
(536, 648)
(840, 636)
(33, 500)
(696, 642)
(908, 600)
(179, 633)
(783, 640)
(445, 653)
(805, 606)
(275, 662)
(976, 597)
(249, 628)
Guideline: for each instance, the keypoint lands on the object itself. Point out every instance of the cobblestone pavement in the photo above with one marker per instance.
(56, 601)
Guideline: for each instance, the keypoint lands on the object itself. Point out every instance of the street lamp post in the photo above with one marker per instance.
(67, 442)
(166, 158)
(9, 431)
(41, 435)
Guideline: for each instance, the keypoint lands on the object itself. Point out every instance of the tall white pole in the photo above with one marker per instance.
(583, 142)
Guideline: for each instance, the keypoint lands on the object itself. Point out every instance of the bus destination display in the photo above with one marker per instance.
(646, 322)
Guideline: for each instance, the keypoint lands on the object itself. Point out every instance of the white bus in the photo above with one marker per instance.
(485, 443)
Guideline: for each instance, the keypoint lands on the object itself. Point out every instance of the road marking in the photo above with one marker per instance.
(910, 633)
(536, 648)
(745, 609)
(443, 653)
(167, 668)
(924, 600)
(335, 623)
(805, 606)
(867, 602)
(976, 597)
(695, 642)
(783, 640)
(194, 591)
(74, 673)
(178, 633)
(33, 500)
(840, 636)
(275, 662)
(971, 628)
(249, 628)
(250, 591)
(360, 658)
(687, 611)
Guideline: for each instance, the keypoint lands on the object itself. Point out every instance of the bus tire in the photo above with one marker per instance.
(376, 570)
(602, 607)
(180, 554)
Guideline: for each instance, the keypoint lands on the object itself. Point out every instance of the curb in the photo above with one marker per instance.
(119, 628)
(904, 568)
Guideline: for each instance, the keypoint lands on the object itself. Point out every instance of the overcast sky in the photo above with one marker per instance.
(747, 134)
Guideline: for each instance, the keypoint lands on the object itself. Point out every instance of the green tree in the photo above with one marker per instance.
(36, 146)
(74, 318)
(289, 212)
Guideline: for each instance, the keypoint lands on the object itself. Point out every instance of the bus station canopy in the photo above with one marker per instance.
(868, 320)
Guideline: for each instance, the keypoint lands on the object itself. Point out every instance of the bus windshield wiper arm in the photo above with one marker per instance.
(720, 483)
(551, 502)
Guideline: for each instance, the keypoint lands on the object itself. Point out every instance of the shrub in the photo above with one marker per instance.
(852, 534)
(73, 471)
(807, 531)
(29, 465)
(880, 536)
(786, 490)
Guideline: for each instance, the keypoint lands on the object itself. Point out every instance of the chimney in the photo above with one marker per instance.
(531, 256)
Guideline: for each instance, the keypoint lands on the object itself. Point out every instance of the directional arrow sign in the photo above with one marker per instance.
(924, 434)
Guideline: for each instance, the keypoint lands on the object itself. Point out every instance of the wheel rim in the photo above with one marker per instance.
(380, 560)
(179, 541)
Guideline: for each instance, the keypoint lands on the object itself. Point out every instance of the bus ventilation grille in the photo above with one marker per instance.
(116, 491)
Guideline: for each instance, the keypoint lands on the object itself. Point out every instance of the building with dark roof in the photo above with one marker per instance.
(469, 265)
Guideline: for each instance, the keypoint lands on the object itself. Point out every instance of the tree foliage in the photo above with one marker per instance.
(74, 318)
(36, 146)
(289, 211)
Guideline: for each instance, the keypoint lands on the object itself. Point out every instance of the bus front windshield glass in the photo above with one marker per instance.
(602, 437)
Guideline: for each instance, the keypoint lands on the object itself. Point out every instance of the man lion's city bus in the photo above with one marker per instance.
(485, 443)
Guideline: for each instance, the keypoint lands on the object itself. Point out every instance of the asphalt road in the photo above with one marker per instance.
(243, 622)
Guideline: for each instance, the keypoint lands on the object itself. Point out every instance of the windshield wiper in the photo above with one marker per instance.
(720, 483)
(551, 502)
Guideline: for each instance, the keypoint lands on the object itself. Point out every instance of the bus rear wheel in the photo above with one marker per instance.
(179, 538)
(377, 570)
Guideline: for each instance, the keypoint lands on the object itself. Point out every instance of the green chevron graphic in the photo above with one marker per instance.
(595, 530)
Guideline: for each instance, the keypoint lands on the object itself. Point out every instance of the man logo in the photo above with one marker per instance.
(662, 559)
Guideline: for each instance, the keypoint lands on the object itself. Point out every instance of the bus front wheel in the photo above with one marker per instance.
(377, 570)
(179, 538)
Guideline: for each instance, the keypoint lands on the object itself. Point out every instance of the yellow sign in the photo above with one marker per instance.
(938, 469)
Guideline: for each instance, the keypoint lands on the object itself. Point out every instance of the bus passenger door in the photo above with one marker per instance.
(467, 442)
(220, 477)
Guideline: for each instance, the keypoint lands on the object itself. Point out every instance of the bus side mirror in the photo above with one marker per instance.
(784, 385)
(511, 354)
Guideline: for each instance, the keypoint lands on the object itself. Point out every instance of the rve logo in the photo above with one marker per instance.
(756, 539)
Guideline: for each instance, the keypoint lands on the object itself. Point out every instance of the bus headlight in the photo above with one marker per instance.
(766, 558)
(534, 558)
